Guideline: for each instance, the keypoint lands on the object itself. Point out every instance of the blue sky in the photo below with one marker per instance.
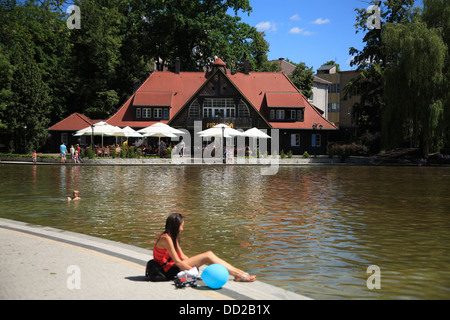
(310, 31)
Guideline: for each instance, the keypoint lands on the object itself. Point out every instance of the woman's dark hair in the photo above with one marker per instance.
(173, 224)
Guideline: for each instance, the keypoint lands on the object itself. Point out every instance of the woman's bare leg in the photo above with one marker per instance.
(209, 258)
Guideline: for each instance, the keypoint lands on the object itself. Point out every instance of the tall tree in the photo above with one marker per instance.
(371, 62)
(96, 57)
(436, 14)
(34, 52)
(196, 31)
(415, 57)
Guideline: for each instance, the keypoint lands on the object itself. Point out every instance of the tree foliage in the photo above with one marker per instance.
(303, 78)
(414, 78)
(48, 71)
(404, 77)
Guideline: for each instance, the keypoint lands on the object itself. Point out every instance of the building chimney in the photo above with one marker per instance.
(246, 66)
(177, 65)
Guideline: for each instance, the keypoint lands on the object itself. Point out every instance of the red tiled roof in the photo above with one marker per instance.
(255, 87)
(285, 99)
(143, 98)
(74, 122)
(182, 87)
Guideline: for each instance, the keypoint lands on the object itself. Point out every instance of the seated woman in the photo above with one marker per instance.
(168, 253)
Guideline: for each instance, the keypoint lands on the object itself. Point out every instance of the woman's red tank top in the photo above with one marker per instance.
(162, 256)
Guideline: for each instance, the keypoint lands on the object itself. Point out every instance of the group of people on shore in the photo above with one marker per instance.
(139, 147)
(74, 152)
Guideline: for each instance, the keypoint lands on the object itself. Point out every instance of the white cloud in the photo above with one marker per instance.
(297, 30)
(266, 26)
(321, 21)
(295, 17)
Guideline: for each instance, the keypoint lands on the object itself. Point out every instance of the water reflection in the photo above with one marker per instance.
(313, 230)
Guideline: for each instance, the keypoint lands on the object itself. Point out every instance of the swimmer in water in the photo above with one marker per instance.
(76, 196)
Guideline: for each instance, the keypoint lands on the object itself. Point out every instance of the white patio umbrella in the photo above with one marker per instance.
(98, 129)
(127, 132)
(220, 129)
(160, 130)
(256, 133)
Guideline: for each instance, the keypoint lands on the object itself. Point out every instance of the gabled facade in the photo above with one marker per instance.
(266, 100)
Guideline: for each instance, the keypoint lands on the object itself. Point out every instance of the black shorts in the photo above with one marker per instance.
(172, 272)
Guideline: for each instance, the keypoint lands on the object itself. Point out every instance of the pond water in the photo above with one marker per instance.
(314, 230)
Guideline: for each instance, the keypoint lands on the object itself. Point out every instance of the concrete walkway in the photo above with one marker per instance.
(39, 262)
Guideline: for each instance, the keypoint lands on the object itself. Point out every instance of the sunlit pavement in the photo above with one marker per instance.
(38, 262)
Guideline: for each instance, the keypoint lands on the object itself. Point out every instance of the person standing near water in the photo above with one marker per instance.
(63, 149)
(167, 252)
(181, 147)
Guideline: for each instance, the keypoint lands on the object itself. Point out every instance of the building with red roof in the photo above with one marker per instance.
(64, 130)
(265, 100)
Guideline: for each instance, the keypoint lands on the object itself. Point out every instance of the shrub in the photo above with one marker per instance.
(306, 155)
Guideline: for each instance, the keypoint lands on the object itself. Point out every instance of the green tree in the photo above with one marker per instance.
(34, 51)
(96, 57)
(303, 78)
(436, 14)
(371, 62)
(414, 79)
(27, 113)
(196, 31)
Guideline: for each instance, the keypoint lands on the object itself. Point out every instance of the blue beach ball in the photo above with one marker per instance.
(215, 276)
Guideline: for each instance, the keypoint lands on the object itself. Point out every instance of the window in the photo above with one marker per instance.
(215, 108)
(316, 140)
(333, 107)
(243, 111)
(157, 113)
(292, 114)
(146, 113)
(280, 114)
(194, 110)
(65, 138)
(333, 88)
(138, 113)
(295, 140)
(166, 113)
(301, 114)
(272, 114)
